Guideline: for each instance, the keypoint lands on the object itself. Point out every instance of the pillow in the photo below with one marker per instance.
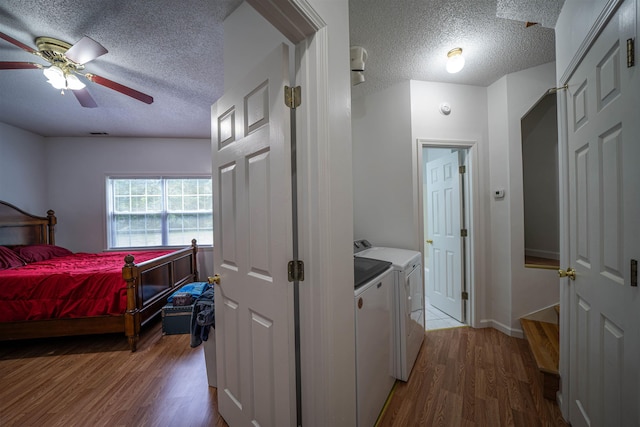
(34, 253)
(9, 259)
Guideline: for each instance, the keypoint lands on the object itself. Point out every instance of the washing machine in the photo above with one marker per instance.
(373, 308)
(408, 294)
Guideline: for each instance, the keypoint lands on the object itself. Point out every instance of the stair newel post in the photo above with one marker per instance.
(132, 314)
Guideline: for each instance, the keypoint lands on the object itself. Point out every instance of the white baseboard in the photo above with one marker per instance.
(490, 323)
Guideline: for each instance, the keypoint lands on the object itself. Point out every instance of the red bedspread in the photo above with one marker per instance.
(78, 285)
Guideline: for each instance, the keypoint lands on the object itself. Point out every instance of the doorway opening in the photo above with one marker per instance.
(539, 129)
(446, 221)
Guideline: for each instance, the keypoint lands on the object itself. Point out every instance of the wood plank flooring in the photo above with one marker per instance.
(463, 377)
(471, 377)
(537, 262)
(97, 381)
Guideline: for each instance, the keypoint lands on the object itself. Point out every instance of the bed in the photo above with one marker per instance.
(139, 283)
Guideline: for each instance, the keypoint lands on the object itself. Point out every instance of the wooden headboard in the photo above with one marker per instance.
(18, 227)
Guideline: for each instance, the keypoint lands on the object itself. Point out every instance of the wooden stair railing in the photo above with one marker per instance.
(544, 342)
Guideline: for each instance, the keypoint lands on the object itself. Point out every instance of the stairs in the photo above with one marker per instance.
(544, 342)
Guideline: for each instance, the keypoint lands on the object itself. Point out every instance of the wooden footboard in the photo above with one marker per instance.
(150, 283)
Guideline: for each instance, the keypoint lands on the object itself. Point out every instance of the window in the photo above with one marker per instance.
(159, 211)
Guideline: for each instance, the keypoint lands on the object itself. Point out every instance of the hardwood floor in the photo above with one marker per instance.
(536, 262)
(463, 377)
(471, 377)
(97, 381)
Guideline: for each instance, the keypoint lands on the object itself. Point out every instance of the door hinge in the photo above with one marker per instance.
(463, 232)
(465, 295)
(296, 271)
(292, 96)
(462, 169)
(631, 54)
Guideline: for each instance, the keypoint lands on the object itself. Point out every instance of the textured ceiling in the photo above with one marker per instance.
(410, 39)
(172, 50)
(542, 12)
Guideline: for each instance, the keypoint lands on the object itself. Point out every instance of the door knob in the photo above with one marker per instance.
(430, 242)
(215, 279)
(570, 273)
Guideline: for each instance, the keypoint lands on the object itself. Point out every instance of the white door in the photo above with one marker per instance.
(444, 288)
(604, 237)
(253, 243)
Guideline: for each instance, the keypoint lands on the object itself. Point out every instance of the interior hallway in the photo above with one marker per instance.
(471, 377)
(463, 377)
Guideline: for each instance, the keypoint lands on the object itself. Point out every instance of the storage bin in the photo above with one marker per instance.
(176, 320)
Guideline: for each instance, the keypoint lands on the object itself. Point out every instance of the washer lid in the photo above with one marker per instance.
(400, 258)
(365, 269)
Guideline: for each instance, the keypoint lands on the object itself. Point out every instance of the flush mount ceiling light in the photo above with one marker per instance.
(455, 61)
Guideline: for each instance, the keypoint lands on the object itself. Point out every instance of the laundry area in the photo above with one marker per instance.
(389, 319)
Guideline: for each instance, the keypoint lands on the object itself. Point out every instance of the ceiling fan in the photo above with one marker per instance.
(66, 62)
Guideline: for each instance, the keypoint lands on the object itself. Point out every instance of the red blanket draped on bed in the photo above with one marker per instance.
(79, 285)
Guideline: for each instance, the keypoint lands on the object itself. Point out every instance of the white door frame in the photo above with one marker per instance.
(471, 220)
(319, 28)
(445, 290)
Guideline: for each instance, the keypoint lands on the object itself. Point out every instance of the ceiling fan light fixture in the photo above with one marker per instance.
(74, 83)
(57, 84)
(54, 73)
(455, 61)
(55, 77)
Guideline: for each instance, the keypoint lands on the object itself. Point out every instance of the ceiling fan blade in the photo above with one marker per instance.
(84, 98)
(85, 50)
(18, 65)
(120, 88)
(17, 43)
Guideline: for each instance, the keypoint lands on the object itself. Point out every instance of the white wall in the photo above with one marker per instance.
(491, 117)
(386, 126)
(382, 150)
(78, 168)
(328, 346)
(516, 290)
(23, 170)
(574, 23)
(248, 38)
(499, 276)
(466, 122)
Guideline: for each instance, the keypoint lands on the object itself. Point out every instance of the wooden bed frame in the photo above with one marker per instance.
(168, 272)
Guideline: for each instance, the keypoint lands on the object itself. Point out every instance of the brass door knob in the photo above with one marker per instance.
(215, 279)
(430, 242)
(570, 273)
